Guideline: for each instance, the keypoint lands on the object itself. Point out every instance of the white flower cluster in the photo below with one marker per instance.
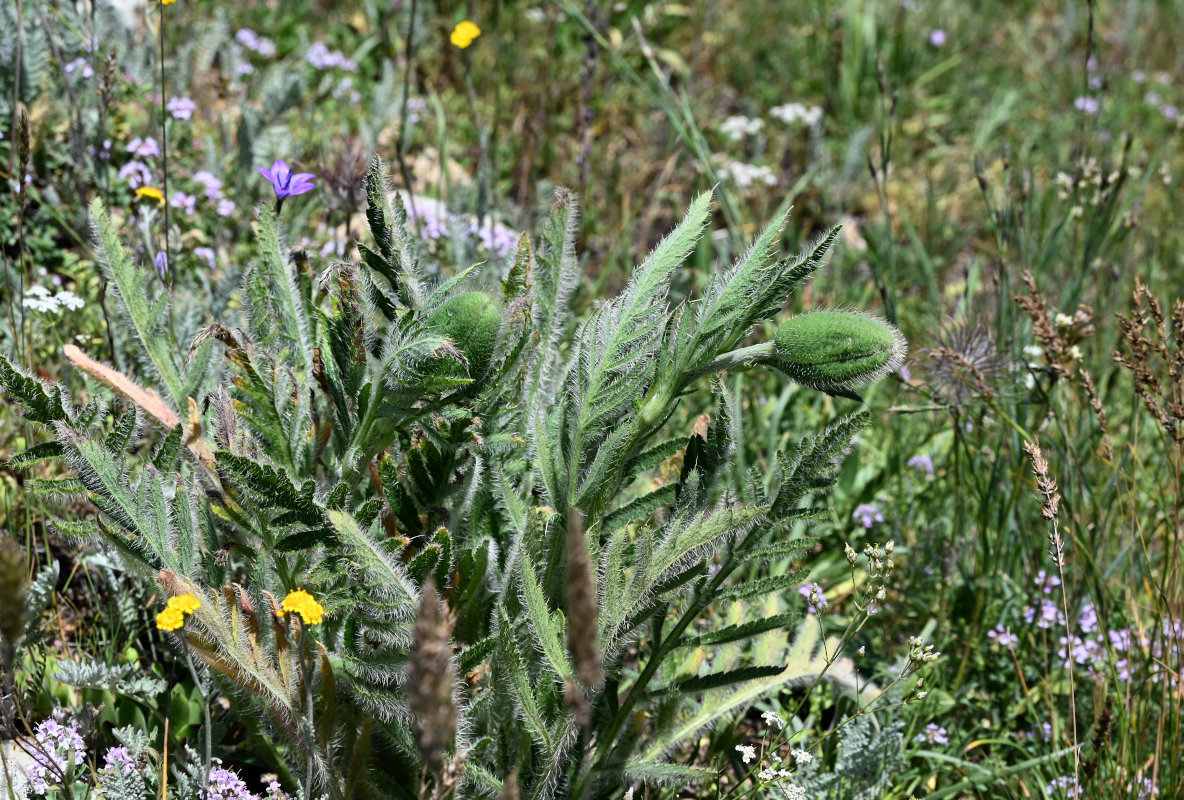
(745, 175)
(38, 298)
(793, 113)
(737, 127)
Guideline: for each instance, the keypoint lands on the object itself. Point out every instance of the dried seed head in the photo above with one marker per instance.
(582, 619)
(23, 144)
(430, 678)
(510, 787)
(13, 588)
(965, 364)
(582, 607)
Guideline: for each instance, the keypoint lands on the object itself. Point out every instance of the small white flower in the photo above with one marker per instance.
(922, 695)
(773, 720)
(70, 300)
(737, 127)
(792, 113)
(766, 774)
(794, 792)
(1075, 353)
(747, 752)
(1064, 321)
(801, 756)
(629, 794)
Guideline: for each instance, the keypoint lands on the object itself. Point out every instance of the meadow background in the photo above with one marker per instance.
(1007, 175)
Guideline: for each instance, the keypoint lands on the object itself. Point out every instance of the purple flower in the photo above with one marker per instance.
(225, 207)
(136, 173)
(185, 202)
(322, 57)
(211, 184)
(144, 148)
(206, 254)
(253, 41)
(80, 64)
(922, 462)
(226, 785)
(934, 734)
(162, 263)
(118, 759)
(867, 515)
(1086, 105)
(1004, 637)
(937, 38)
(181, 107)
(58, 747)
(285, 183)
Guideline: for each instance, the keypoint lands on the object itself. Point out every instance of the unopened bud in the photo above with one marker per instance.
(837, 351)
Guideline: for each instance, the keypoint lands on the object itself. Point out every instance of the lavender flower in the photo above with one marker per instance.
(181, 107)
(1004, 637)
(225, 207)
(82, 66)
(933, 734)
(58, 747)
(1086, 105)
(162, 263)
(136, 173)
(922, 462)
(867, 515)
(144, 148)
(227, 785)
(119, 759)
(285, 183)
(937, 37)
(206, 254)
(322, 57)
(209, 182)
(256, 43)
(185, 202)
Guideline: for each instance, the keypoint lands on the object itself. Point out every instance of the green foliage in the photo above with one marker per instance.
(376, 431)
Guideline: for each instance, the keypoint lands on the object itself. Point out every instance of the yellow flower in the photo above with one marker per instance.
(167, 2)
(185, 603)
(301, 602)
(464, 34)
(170, 619)
(152, 192)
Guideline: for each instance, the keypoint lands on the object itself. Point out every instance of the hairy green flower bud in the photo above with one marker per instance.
(836, 351)
(473, 321)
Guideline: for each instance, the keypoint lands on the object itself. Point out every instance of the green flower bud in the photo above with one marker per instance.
(836, 351)
(473, 322)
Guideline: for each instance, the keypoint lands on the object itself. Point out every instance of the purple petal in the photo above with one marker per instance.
(266, 173)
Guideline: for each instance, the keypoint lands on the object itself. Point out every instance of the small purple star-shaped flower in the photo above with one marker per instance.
(285, 183)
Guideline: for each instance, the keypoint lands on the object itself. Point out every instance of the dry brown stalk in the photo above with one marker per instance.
(146, 399)
(430, 678)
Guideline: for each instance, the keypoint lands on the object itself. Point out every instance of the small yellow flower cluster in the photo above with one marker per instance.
(173, 617)
(301, 602)
(464, 34)
(150, 192)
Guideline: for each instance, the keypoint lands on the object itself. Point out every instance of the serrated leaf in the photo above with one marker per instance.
(35, 454)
